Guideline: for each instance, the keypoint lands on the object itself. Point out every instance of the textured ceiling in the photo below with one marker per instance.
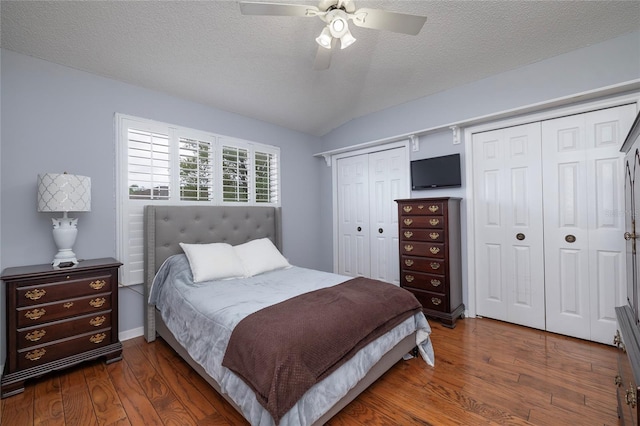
(262, 66)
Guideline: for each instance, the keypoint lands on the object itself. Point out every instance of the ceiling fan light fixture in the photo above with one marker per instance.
(338, 26)
(324, 39)
(347, 40)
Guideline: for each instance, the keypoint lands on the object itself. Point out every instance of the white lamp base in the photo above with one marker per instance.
(64, 234)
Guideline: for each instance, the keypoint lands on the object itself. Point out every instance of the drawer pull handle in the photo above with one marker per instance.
(435, 283)
(35, 314)
(434, 222)
(433, 209)
(617, 380)
(97, 285)
(409, 278)
(35, 294)
(434, 265)
(408, 234)
(630, 396)
(35, 354)
(97, 338)
(35, 335)
(408, 222)
(97, 321)
(408, 262)
(96, 303)
(436, 301)
(434, 235)
(434, 250)
(408, 247)
(68, 305)
(407, 209)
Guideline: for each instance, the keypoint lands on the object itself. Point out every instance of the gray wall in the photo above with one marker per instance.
(608, 63)
(61, 119)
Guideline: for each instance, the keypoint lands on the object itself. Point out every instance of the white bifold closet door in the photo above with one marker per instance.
(549, 223)
(367, 186)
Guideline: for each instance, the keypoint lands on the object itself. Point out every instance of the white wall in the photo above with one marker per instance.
(604, 64)
(60, 119)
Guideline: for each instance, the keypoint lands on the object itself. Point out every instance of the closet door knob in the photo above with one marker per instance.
(570, 238)
(380, 230)
(629, 236)
(520, 236)
(359, 228)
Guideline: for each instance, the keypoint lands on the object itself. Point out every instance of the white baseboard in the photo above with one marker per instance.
(130, 334)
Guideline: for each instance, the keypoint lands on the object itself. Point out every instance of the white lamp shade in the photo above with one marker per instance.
(62, 192)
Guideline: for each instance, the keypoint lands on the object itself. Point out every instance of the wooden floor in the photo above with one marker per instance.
(486, 372)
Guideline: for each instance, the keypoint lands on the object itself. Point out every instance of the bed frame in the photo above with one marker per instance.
(166, 226)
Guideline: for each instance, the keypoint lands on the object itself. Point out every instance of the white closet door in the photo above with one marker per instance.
(353, 215)
(508, 225)
(584, 221)
(388, 180)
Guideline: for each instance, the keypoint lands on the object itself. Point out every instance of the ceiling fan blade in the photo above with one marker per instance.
(277, 9)
(323, 57)
(378, 19)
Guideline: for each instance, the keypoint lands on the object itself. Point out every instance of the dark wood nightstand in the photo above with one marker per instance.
(59, 317)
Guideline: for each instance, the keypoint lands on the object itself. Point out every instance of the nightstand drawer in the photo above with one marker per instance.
(31, 357)
(36, 336)
(51, 292)
(35, 315)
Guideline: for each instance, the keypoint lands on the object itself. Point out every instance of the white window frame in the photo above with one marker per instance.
(129, 212)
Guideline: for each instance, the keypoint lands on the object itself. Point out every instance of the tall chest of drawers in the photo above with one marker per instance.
(57, 318)
(430, 255)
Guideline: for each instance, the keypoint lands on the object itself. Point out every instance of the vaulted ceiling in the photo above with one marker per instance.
(262, 66)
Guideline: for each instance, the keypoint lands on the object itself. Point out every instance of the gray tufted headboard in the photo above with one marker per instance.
(167, 226)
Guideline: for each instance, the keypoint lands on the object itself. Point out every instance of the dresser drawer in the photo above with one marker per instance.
(39, 355)
(432, 208)
(432, 235)
(36, 336)
(433, 266)
(428, 222)
(40, 314)
(433, 301)
(412, 248)
(52, 292)
(429, 282)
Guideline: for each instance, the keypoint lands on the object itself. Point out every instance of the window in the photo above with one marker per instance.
(159, 163)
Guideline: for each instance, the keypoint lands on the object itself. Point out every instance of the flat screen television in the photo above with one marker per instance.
(436, 172)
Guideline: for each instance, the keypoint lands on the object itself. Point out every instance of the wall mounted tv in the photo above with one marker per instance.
(436, 172)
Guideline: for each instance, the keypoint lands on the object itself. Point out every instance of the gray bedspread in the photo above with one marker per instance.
(202, 316)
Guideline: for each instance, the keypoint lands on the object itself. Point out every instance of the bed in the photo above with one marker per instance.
(167, 226)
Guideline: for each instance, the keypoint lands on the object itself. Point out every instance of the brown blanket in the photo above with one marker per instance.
(283, 350)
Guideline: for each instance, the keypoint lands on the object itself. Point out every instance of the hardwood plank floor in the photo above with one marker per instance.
(487, 372)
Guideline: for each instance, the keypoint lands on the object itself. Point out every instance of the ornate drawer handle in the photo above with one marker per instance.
(434, 250)
(617, 380)
(97, 321)
(408, 221)
(408, 234)
(421, 207)
(409, 278)
(433, 209)
(68, 305)
(35, 294)
(97, 338)
(434, 222)
(434, 235)
(98, 284)
(408, 262)
(434, 265)
(436, 301)
(407, 209)
(35, 335)
(435, 283)
(35, 354)
(408, 247)
(96, 303)
(35, 314)
(630, 396)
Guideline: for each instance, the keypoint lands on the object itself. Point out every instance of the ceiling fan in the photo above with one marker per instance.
(336, 14)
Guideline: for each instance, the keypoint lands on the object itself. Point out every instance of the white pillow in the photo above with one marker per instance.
(215, 261)
(260, 256)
